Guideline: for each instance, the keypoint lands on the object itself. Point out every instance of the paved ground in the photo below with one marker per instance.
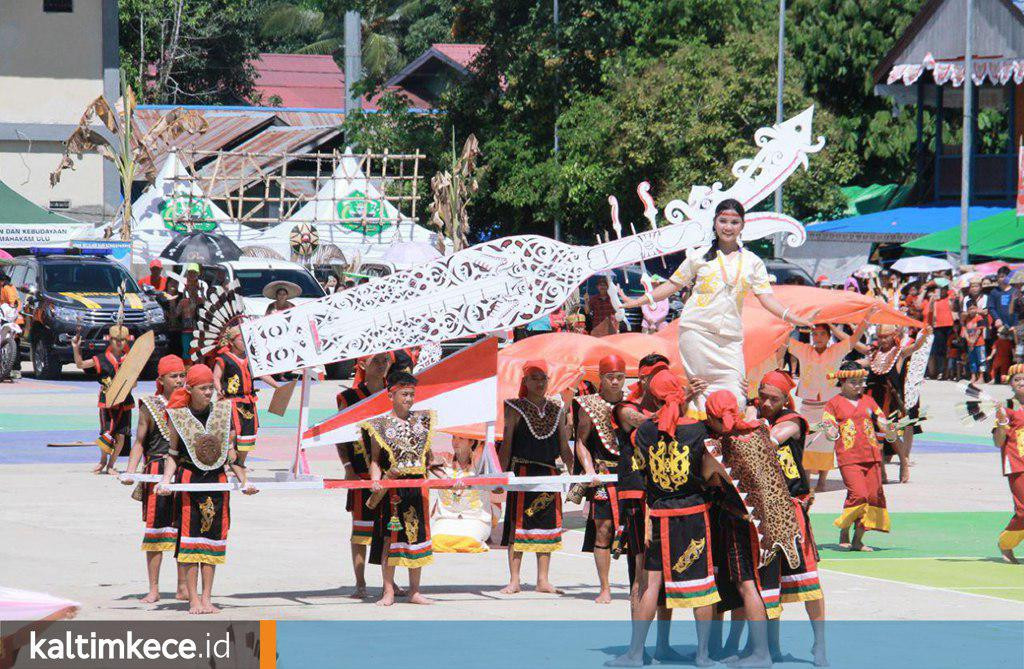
(76, 535)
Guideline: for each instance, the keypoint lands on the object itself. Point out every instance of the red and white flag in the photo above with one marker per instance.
(462, 389)
(1020, 182)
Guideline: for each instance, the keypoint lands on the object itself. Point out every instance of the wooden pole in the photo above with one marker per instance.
(300, 465)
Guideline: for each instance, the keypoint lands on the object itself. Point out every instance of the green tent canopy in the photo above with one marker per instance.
(24, 224)
(876, 197)
(998, 236)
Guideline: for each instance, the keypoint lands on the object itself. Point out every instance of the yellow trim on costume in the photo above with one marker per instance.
(692, 603)
(876, 518)
(105, 446)
(519, 547)
(1009, 539)
(361, 540)
(819, 461)
(411, 563)
(696, 414)
(158, 547)
(850, 515)
(375, 435)
(775, 612)
(195, 558)
(808, 596)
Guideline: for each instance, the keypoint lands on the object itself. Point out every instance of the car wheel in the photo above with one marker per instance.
(8, 357)
(45, 364)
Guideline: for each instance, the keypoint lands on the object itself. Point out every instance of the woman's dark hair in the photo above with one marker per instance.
(850, 366)
(652, 359)
(728, 204)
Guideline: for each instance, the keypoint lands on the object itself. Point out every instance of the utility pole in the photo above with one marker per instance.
(968, 133)
(777, 240)
(558, 222)
(353, 60)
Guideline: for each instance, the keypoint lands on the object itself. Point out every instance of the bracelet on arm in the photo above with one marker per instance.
(785, 314)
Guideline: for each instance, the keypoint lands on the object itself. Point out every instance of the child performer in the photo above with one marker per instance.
(669, 450)
(789, 431)
(371, 373)
(233, 381)
(597, 450)
(816, 360)
(850, 419)
(535, 436)
(152, 442)
(200, 447)
(1008, 436)
(115, 420)
(399, 445)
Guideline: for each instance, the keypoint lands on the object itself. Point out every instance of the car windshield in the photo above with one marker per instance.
(86, 277)
(252, 281)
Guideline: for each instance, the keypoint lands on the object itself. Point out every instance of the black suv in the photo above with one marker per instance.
(66, 294)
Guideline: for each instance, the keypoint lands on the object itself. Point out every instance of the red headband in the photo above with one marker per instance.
(611, 363)
(668, 388)
(636, 393)
(530, 366)
(722, 404)
(168, 364)
(782, 381)
(197, 375)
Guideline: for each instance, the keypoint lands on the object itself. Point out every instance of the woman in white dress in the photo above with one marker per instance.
(711, 323)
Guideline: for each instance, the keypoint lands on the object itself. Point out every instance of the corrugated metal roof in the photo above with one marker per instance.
(269, 145)
(222, 130)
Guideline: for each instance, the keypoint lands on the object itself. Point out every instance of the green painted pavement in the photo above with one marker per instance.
(956, 438)
(81, 420)
(919, 535)
(955, 551)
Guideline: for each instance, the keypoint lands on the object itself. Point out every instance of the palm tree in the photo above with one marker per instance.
(323, 22)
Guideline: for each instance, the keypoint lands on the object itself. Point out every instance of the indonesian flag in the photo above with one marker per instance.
(462, 389)
(1020, 182)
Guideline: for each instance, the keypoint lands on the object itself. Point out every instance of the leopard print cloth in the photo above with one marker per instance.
(752, 462)
(600, 413)
(542, 421)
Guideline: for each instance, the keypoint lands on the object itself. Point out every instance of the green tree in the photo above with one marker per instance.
(393, 31)
(839, 43)
(190, 52)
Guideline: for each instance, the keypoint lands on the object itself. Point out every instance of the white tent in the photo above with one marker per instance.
(168, 198)
(337, 215)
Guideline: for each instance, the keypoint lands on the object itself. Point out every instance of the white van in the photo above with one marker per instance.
(253, 274)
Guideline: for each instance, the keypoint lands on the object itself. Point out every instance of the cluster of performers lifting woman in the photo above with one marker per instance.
(709, 507)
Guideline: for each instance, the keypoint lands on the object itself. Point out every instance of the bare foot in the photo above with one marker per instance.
(669, 655)
(387, 599)
(210, 608)
(98, 469)
(510, 589)
(195, 607)
(703, 661)
(181, 595)
(151, 598)
(626, 660)
(604, 597)
(1008, 556)
(905, 473)
(548, 588)
(753, 661)
(819, 655)
(858, 546)
(359, 592)
(417, 598)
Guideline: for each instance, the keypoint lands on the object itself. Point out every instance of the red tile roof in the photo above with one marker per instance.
(300, 81)
(463, 54)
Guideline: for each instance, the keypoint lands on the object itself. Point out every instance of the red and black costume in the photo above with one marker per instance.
(603, 446)
(860, 461)
(114, 419)
(680, 545)
(356, 455)
(630, 532)
(1012, 456)
(798, 584)
(157, 510)
(533, 520)
(237, 386)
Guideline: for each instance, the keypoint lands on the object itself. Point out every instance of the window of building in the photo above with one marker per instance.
(58, 5)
